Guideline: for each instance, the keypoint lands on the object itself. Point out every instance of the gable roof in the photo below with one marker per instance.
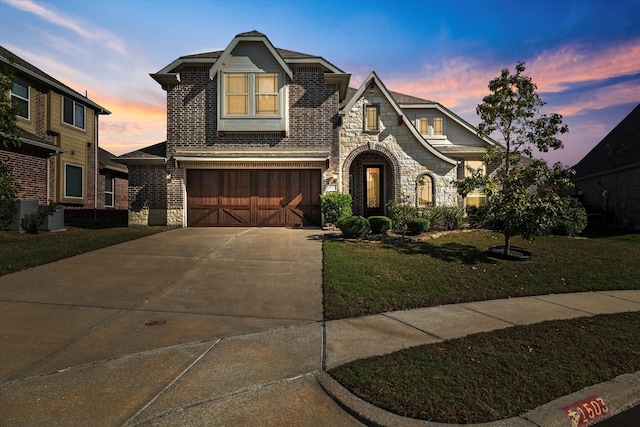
(156, 153)
(171, 73)
(252, 36)
(620, 149)
(105, 160)
(22, 66)
(374, 79)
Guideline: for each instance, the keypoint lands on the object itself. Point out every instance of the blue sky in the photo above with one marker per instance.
(583, 54)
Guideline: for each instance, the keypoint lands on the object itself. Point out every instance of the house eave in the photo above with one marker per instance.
(342, 79)
(65, 91)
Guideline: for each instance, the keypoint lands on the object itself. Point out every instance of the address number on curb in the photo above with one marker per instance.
(586, 411)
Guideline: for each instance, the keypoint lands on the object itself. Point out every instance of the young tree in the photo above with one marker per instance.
(9, 132)
(522, 192)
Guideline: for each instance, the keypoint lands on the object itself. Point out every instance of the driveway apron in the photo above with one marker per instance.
(194, 326)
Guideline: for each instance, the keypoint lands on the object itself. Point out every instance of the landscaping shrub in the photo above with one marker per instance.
(31, 222)
(353, 227)
(401, 215)
(335, 206)
(572, 220)
(419, 225)
(435, 216)
(478, 217)
(453, 218)
(380, 224)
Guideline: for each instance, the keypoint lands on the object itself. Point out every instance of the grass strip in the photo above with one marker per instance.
(19, 251)
(368, 278)
(500, 374)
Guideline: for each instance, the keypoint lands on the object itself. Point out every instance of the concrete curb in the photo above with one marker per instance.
(619, 394)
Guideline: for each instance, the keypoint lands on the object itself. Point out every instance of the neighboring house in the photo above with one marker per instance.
(255, 134)
(56, 161)
(607, 179)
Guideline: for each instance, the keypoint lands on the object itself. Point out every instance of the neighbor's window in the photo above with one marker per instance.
(248, 94)
(72, 113)
(425, 191)
(371, 113)
(476, 198)
(20, 97)
(108, 191)
(73, 181)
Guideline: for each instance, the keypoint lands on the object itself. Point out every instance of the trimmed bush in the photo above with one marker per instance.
(419, 225)
(572, 220)
(401, 215)
(353, 227)
(379, 224)
(335, 206)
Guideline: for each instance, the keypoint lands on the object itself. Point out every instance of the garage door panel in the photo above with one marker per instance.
(253, 197)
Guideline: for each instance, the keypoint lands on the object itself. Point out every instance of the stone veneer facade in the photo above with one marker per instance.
(405, 158)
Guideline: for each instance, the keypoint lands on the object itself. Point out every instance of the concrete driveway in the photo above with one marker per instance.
(215, 326)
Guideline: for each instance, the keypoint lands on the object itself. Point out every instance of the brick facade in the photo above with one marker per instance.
(192, 123)
(620, 205)
(29, 171)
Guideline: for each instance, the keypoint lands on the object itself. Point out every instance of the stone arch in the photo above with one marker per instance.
(421, 181)
(363, 154)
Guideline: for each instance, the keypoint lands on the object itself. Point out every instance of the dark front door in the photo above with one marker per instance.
(373, 191)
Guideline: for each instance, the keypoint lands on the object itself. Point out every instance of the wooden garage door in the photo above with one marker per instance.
(256, 198)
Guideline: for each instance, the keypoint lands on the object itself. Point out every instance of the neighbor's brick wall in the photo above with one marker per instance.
(29, 170)
(623, 197)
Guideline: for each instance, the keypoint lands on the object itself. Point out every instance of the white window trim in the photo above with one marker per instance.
(28, 99)
(252, 96)
(84, 112)
(66, 196)
(112, 192)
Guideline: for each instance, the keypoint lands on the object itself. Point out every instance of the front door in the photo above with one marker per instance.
(373, 191)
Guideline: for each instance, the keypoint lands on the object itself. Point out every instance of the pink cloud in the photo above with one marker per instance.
(555, 71)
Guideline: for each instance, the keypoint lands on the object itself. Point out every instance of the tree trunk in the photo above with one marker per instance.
(507, 245)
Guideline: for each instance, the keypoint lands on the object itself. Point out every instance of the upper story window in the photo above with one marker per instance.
(20, 97)
(73, 113)
(251, 94)
(431, 126)
(371, 115)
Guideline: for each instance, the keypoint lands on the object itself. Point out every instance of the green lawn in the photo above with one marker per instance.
(494, 375)
(19, 251)
(367, 278)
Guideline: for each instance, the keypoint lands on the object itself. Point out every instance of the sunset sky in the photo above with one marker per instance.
(584, 55)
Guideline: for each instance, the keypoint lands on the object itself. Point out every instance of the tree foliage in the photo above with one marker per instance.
(9, 132)
(522, 192)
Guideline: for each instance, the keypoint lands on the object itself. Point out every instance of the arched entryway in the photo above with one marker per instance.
(371, 182)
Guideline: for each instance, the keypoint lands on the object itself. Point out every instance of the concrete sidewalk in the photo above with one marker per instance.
(357, 338)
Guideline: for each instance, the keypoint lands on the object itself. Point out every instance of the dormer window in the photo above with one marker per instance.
(431, 126)
(251, 94)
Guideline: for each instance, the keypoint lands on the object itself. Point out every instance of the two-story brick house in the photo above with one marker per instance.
(256, 133)
(57, 159)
